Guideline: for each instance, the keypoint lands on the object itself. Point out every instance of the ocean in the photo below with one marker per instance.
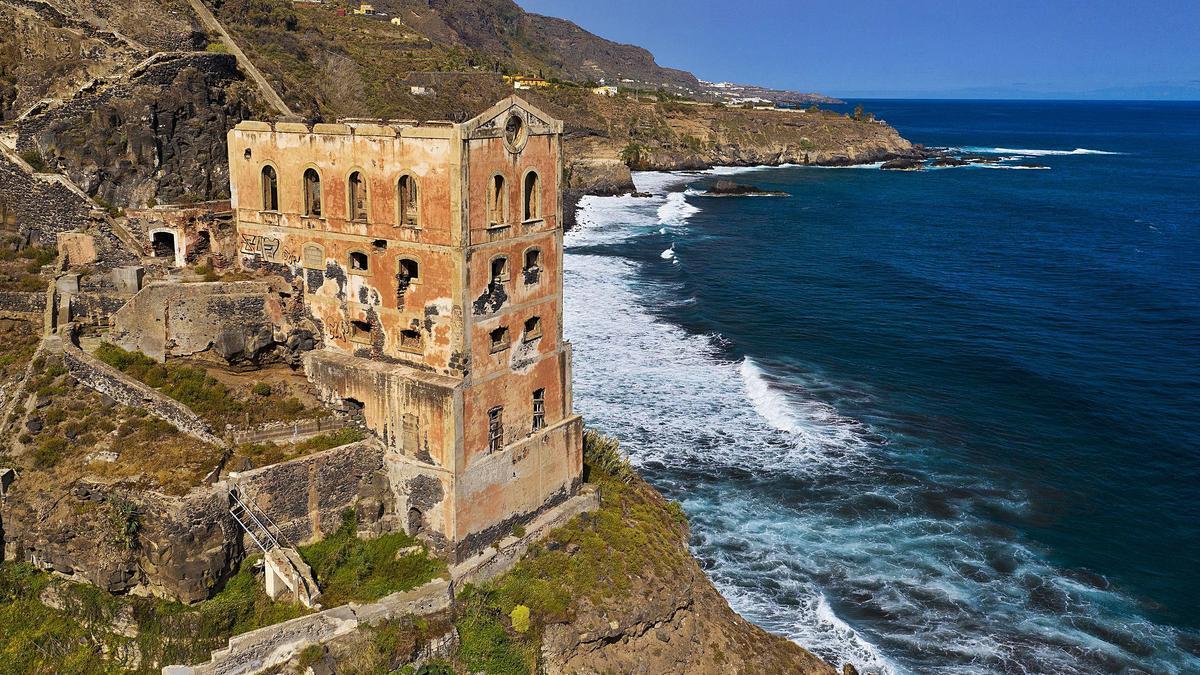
(928, 422)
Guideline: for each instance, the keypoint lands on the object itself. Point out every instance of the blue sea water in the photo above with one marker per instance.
(934, 422)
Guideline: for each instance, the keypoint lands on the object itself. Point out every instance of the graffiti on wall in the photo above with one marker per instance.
(257, 245)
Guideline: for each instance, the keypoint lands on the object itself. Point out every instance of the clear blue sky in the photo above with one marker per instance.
(1096, 48)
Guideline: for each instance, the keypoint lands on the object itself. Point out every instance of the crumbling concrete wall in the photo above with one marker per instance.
(166, 319)
(261, 649)
(305, 497)
(202, 232)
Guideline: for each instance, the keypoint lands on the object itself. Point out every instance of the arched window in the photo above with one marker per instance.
(497, 198)
(410, 205)
(312, 193)
(408, 271)
(499, 270)
(358, 196)
(533, 196)
(270, 189)
(533, 259)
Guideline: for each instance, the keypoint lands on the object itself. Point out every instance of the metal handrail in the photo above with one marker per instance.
(238, 503)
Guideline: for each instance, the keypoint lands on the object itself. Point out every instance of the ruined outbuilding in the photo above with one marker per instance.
(429, 257)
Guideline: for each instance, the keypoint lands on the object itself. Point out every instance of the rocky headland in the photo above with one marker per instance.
(125, 106)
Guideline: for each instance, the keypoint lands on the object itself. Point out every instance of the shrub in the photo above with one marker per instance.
(520, 618)
(126, 522)
(261, 389)
(604, 453)
(351, 569)
(49, 451)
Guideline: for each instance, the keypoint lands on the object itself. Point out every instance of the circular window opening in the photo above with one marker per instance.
(514, 132)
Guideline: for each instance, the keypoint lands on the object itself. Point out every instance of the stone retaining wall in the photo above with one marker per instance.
(173, 319)
(105, 379)
(266, 647)
(27, 306)
(44, 204)
(305, 497)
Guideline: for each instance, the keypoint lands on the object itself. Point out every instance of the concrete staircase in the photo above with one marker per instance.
(285, 571)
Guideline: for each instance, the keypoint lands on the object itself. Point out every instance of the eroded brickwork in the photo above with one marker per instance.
(429, 257)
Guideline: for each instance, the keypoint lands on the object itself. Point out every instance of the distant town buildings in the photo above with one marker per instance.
(526, 82)
(604, 90)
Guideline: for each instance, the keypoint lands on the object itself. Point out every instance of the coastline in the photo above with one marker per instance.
(823, 632)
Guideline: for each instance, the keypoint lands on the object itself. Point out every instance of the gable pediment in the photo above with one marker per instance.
(492, 123)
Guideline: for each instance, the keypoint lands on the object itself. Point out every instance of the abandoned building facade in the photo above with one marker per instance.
(429, 257)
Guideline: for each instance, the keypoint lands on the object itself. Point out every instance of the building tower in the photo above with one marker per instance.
(429, 258)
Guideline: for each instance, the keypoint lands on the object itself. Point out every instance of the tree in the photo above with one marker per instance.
(632, 155)
(858, 112)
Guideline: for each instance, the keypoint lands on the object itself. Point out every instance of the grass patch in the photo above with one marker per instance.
(635, 537)
(349, 569)
(205, 395)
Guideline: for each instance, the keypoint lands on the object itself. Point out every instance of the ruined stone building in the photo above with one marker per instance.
(429, 257)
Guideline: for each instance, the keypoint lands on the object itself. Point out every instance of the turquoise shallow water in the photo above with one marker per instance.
(945, 421)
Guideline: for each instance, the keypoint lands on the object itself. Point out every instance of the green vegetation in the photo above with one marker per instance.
(17, 346)
(34, 159)
(38, 638)
(21, 265)
(389, 646)
(216, 48)
(635, 537)
(520, 618)
(112, 210)
(632, 155)
(349, 569)
(201, 392)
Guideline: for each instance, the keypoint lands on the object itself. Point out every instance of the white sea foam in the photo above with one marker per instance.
(868, 165)
(676, 210)
(846, 526)
(673, 399)
(1012, 167)
(1033, 152)
(668, 254)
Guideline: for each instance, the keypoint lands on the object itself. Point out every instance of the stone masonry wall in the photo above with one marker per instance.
(166, 319)
(108, 380)
(305, 497)
(28, 306)
(44, 206)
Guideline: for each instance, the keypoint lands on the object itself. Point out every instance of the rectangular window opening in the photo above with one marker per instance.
(495, 429)
(539, 409)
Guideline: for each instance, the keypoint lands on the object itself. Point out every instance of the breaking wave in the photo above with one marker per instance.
(808, 521)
